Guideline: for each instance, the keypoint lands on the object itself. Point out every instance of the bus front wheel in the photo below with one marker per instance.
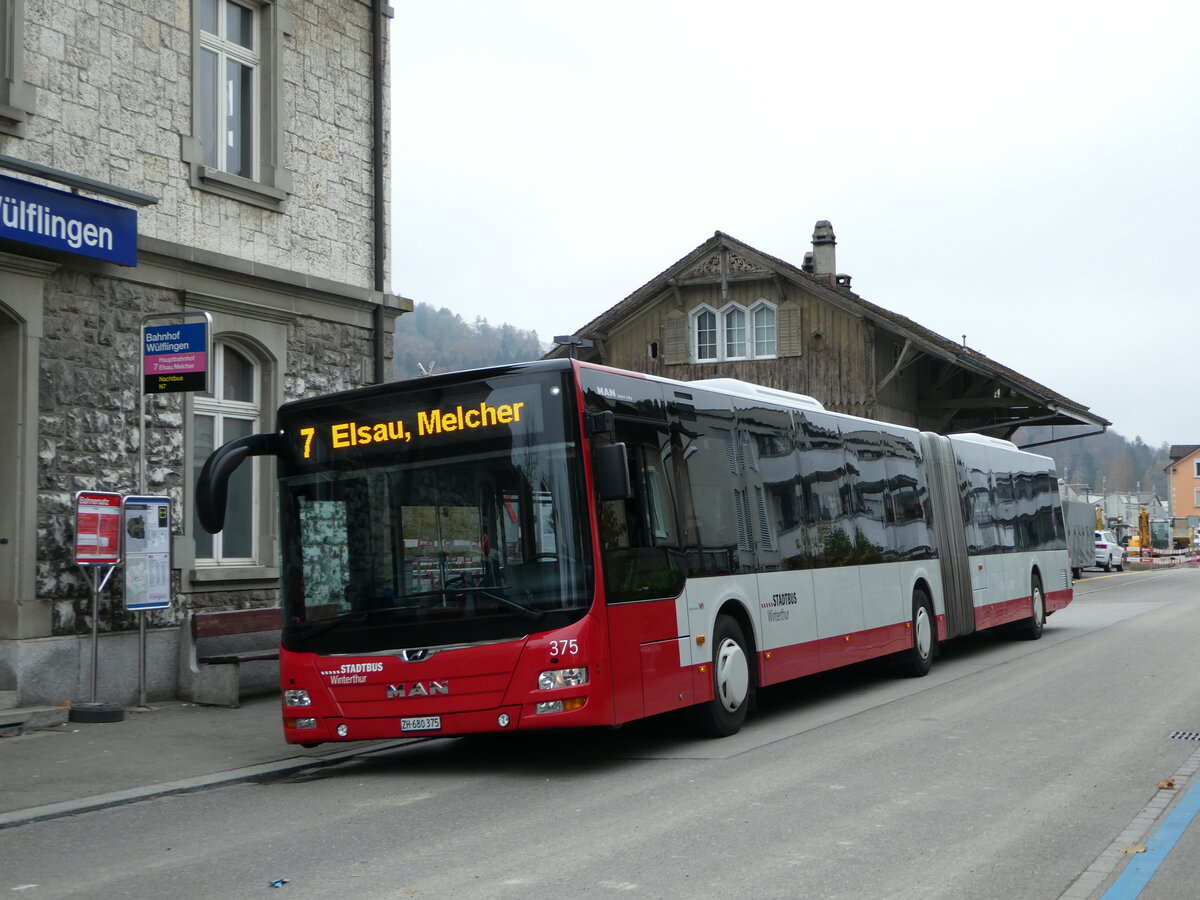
(732, 677)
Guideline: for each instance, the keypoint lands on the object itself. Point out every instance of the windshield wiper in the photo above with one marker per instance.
(312, 629)
(499, 598)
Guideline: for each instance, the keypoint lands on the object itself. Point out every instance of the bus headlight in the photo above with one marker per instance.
(296, 698)
(560, 678)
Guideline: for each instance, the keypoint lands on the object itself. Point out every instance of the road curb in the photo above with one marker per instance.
(185, 785)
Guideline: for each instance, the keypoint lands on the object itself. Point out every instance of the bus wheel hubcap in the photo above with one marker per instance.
(733, 675)
(924, 632)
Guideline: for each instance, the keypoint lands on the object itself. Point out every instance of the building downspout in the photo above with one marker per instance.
(378, 8)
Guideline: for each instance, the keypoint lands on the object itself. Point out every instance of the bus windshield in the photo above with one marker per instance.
(442, 532)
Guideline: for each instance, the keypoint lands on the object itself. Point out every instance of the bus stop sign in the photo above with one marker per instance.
(147, 527)
(97, 528)
(175, 358)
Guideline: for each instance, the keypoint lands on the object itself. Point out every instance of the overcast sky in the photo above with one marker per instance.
(1023, 174)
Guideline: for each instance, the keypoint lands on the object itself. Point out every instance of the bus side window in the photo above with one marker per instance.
(640, 535)
(657, 508)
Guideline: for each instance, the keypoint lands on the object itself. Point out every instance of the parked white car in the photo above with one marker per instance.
(1109, 554)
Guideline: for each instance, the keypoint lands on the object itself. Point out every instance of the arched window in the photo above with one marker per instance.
(764, 329)
(706, 333)
(230, 410)
(735, 333)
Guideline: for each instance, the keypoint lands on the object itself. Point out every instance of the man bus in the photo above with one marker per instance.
(558, 544)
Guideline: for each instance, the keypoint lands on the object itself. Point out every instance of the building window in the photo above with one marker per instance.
(228, 72)
(229, 411)
(16, 96)
(737, 332)
(706, 334)
(764, 330)
(236, 144)
(1196, 468)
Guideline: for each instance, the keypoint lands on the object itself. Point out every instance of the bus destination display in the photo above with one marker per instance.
(425, 423)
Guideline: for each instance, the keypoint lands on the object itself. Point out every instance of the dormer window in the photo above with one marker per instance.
(733, 332)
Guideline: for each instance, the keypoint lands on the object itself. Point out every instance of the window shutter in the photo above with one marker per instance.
(788, 338)
(675, 340)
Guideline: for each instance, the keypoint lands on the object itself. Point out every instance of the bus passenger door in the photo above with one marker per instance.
(641, 561)
(827, 490)
(867, 450)
(784, 603)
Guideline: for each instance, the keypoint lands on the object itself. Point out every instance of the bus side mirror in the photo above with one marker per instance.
(212, 486)
(612, 472)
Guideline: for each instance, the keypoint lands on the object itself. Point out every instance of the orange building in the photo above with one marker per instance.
(1183, 497)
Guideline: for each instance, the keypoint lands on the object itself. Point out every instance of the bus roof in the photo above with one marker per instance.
(756, 392)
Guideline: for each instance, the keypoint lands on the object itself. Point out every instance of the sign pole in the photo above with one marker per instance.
(97, 585)
(174, 359)
(141, 659)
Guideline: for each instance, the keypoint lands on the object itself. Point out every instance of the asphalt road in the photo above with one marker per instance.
(1005, 773)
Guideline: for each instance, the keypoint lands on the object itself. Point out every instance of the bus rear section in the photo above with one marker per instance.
(767, 538)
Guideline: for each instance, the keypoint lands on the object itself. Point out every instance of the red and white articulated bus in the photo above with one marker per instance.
(558, 544)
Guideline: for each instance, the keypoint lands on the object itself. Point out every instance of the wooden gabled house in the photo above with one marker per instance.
(729, 310)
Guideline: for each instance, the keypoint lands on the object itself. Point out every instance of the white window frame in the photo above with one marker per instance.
(727, 312)
(694, 328)
(228, 51)
(18, 98)
(270, 183)
(720, 317)
(752, 326)
(223, 410)
(1196, 469)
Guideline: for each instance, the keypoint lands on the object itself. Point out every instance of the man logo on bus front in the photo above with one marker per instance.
(418, 689)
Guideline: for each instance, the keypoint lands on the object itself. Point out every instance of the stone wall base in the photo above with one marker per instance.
(53, 670)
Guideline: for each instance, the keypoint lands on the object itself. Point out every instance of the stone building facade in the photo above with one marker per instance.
(248, 138)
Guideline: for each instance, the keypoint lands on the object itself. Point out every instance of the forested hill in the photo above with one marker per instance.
(1103, 462)
(438, 340)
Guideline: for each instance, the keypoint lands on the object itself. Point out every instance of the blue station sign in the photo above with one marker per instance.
(175, 358)
(45, 216)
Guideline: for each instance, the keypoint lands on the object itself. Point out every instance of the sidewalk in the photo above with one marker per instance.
(169, 748)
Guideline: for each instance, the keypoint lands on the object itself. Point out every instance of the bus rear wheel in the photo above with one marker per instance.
(1031, 628)
(918, 659)
(732, 682)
